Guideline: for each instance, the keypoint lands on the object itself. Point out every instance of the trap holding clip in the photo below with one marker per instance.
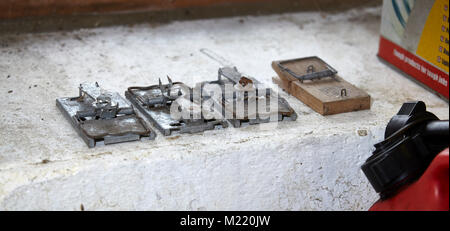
(102, 116)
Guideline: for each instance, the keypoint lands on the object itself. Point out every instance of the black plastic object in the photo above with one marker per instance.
(413, 138)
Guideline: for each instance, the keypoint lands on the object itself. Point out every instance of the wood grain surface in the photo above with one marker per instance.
(325, 96)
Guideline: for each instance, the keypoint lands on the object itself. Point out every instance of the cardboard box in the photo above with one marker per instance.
(415, 39)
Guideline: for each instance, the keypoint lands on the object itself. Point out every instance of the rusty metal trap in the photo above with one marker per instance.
(102, 116)
(246, 100)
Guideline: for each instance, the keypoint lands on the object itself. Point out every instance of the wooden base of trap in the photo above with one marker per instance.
(326, 96)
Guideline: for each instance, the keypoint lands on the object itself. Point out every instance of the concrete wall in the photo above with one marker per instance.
(43, 16)
(39, 8)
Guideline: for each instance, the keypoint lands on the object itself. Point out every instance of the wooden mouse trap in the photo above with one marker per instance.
(317, 85)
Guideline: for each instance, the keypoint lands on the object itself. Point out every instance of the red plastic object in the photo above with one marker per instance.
(429, 193)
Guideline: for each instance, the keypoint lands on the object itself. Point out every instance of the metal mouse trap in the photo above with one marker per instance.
(242, 98)
(316, 84)
(157, 103)
(102, 116)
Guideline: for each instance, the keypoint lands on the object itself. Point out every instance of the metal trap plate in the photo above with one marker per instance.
(155, 102)
(102, 116)
(308, 68)
(242, 105)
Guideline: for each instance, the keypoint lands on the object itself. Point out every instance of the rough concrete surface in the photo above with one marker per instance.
(310, 164)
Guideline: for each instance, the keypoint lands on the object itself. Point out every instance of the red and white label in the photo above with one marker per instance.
(414, 66)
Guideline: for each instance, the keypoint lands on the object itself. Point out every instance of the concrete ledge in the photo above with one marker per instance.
(309, 164)
(251, 173)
